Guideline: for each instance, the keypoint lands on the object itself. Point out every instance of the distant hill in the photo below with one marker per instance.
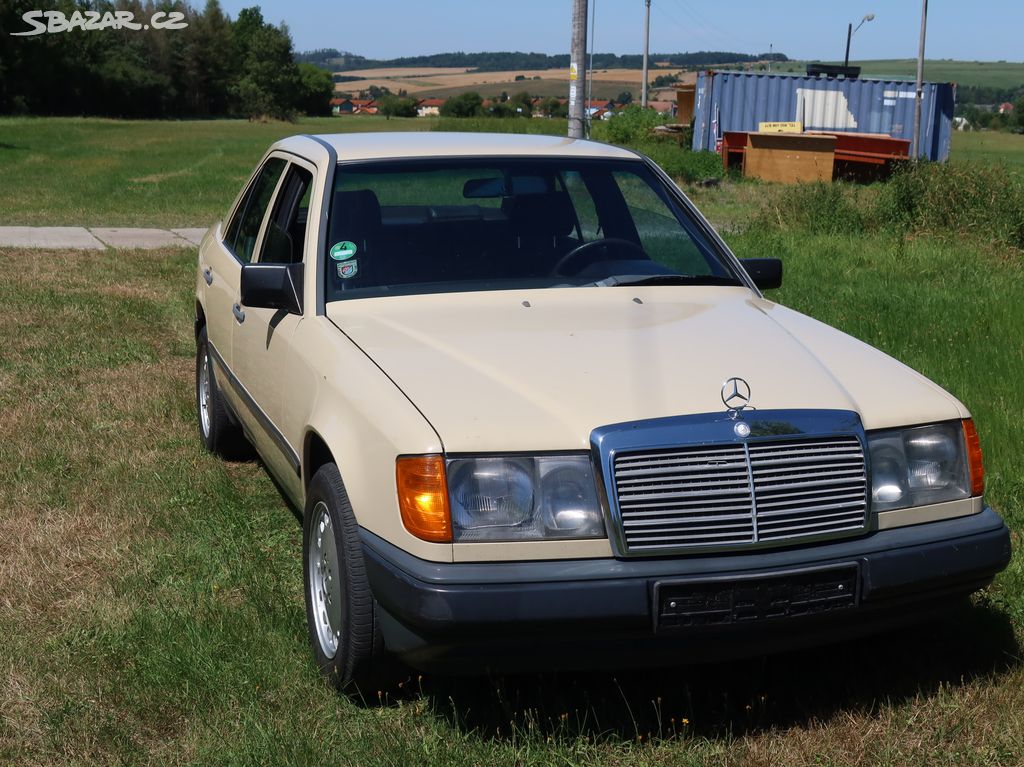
(973, 74)
(500, 61)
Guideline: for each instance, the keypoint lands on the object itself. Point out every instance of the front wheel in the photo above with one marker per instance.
(340, 609)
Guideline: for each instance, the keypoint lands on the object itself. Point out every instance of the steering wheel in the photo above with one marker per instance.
(590, 249)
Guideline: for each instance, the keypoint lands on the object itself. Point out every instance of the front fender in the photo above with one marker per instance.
(365, 421)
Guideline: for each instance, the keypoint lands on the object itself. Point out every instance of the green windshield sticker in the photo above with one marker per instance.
(342, 250)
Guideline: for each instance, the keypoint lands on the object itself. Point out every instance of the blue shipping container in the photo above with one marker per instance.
(738, 101)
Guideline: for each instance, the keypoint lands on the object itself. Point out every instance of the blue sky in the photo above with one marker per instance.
(984, 30)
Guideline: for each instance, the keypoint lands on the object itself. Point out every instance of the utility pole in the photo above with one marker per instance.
(647, 46)
(578, 69)
(916, 151)
(590, 68)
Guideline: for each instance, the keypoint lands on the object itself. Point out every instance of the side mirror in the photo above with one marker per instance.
(272, 286)
(765, 272)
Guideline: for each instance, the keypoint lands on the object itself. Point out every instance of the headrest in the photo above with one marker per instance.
(354, 214)
(547, 214)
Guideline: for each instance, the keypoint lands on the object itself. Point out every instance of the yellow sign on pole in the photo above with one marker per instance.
(791, 127)
(574, 72)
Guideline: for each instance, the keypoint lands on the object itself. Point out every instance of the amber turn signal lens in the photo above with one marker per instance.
(423, 497)
(974, 460)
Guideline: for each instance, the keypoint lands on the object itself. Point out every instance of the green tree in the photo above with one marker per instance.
(521, 104)
(468, 104)
(315, 90)
(395, 106)
(207, 66)
(632, 124)
(501, 109)
(269, 77)
(248, 23)
(552, 107)
(626, 97)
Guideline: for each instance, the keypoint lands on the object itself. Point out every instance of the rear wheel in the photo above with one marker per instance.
(217, 431)
(341, 613)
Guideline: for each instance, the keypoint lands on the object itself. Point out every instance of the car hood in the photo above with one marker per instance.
(540, 369)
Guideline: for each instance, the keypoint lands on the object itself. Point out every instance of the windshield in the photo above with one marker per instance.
(439, 226)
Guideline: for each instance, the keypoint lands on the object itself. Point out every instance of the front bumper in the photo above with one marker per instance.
(583, 613)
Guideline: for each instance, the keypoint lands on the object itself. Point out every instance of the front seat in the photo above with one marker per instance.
(541, 224)
(355, 218)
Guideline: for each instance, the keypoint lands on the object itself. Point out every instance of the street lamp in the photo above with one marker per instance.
(849, 34)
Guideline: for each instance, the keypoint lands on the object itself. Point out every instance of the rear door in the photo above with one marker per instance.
(221, 266)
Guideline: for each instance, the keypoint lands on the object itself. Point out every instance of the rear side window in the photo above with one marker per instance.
(245, 226)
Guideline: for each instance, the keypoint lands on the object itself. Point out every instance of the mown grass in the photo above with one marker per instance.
(94, 172)
(151, 602)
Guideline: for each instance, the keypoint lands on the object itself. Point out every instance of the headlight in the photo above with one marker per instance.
(523, 498)
(918, 466)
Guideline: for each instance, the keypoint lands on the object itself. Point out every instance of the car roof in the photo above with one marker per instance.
(425, 144)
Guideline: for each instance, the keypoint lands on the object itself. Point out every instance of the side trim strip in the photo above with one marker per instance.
(264, 420)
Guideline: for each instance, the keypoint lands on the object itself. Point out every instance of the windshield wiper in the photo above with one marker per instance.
(662, 279)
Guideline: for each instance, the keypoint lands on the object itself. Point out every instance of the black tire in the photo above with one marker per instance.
(359, 662)
(219, 434)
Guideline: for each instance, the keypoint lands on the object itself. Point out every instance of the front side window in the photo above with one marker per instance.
(245, 226)
(436, 226)
(286, 229)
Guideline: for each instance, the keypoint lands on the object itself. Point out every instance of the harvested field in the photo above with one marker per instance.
(452, 81)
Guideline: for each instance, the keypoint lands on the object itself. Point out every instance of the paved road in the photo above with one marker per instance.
(98, 238)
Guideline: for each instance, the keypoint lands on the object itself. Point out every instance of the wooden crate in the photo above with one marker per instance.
(789, 157)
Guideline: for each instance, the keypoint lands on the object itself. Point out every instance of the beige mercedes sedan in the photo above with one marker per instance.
(534, 413)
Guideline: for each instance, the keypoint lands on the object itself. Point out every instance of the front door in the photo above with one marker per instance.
(261, 343)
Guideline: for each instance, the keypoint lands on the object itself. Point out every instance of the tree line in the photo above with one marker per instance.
(211, 66)
(991, 119)
(982, 94)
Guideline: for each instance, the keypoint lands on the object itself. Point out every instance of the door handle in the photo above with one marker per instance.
(208, 275)
(239, 314)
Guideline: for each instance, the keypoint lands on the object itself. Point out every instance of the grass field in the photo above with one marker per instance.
(152, 596)
(989, 146)
(94, 172)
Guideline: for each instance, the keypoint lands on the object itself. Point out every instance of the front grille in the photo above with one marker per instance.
(737, 494)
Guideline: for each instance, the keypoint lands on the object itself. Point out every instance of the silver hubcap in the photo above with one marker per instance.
(324, 580)
(204, 395)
